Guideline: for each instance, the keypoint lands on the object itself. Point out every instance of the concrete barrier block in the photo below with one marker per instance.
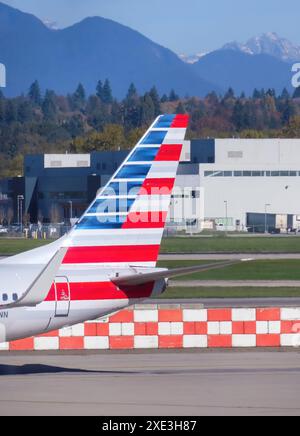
(194, 315)
(213, 328)
(41, 344)
(243, 314)
(176, 328)
(78, 330)
(225, 328)
(275, 327)
(244, 340)
(146, 315)
(195, 341)
(144, 342)
(115, 329)
(262, 327)
(290, 314)
(127, 329)
(96, 343)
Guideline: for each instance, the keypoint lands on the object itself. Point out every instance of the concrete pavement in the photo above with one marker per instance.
(151, 383)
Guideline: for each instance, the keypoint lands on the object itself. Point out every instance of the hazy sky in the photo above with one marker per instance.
(185, 26)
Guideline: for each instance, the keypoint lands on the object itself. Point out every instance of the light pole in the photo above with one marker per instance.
(226, 215)
(71, 211)
(266, 217)
(20, 211)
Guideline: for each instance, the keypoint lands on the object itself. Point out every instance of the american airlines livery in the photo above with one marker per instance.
(108, 259)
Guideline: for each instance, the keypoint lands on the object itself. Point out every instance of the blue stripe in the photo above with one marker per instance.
(155, 137)
(112, 205)
(133, 172)
(104, 222)
(123, 188)
(165, 121)
(144, 154)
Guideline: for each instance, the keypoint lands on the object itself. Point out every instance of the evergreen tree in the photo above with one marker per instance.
(132, 92)
(297, 93)
(2, 110)
(132, 109)
(164, 98)
(78, 99)
(99, 90)
(271, 93)
(173, 96)
(229, 94)
(107, 93)
(288, 111)
(11, 111)
(25, 112)
(49, 107)
(156, 101)
(147, 109)
(238, 116)
(256, 94)
(285, 95)
(34, 93)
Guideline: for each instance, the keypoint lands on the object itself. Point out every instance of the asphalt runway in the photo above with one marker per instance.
(151, 383)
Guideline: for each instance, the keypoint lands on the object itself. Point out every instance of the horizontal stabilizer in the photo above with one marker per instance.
(143, 278)
(39, 289)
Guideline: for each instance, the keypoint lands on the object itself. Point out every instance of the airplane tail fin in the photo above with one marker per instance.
(125, 223)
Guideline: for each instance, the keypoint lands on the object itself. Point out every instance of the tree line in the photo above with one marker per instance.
(49, 123)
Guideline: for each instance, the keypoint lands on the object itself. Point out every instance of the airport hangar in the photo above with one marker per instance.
(223, 184)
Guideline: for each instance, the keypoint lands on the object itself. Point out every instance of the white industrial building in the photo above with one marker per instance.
(236, 184)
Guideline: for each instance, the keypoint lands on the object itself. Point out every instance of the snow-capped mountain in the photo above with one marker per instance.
(191, 59)
(270, 44)
(50, 24)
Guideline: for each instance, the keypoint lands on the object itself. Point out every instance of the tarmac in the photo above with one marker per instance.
(196, 383)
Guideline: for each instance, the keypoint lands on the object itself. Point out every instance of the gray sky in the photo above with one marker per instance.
(185, 26)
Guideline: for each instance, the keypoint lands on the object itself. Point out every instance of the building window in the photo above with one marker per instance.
(254, 173)
(56, 164)
(235, 154)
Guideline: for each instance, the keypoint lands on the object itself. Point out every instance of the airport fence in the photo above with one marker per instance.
(174, 327)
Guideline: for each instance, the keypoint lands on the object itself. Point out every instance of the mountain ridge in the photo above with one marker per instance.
(93, 49)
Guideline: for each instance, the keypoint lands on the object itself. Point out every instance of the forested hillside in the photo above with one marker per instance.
(48, 123)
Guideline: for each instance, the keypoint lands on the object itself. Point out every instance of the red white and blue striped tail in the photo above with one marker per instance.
(125, 223)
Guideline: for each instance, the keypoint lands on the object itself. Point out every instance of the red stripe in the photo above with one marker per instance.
(145, 220)
(104, 291)
(157, 187)
(180, 121)
(126, 253)
(169, 153)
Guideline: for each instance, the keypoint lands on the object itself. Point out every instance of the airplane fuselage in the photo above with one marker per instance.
(77, 295)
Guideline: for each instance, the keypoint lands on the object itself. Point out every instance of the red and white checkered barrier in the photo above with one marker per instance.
(176, 326)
